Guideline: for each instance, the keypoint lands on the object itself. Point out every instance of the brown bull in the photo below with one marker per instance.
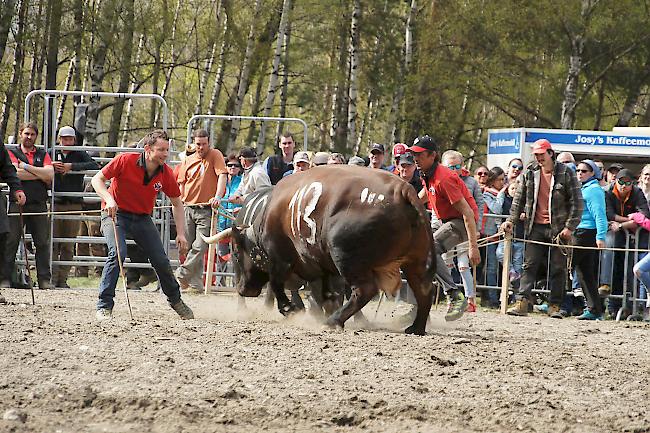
(355, 222)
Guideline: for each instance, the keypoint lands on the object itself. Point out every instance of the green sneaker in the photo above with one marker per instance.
(183, 310)
(457, 305)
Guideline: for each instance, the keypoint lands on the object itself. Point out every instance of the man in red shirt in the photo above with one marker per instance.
(456, 210)
(35, 171)
(136, 180)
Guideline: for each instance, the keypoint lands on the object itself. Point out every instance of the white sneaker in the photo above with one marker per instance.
(104, 315)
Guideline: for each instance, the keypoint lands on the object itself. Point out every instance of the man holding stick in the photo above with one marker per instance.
(127, 207)
(202, 177)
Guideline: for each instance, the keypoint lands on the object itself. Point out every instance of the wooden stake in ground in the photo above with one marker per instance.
(211, 251)
(119, 261)
(505, 276)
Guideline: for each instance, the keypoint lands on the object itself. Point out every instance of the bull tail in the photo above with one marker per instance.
(421, 217)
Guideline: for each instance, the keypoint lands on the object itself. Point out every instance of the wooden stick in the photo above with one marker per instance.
(22, 236)
(211, 250)
(119, 261)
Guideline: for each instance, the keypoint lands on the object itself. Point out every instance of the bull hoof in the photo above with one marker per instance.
(333, 323)
(415, 330)
(287, 310)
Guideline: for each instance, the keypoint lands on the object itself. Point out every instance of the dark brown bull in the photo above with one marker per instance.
(359, 223)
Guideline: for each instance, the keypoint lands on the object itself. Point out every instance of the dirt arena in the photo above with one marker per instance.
(235, 372)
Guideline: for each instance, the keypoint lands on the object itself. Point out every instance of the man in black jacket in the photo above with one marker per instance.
(277, 165)
(36, 173)
(16, 194)
(67, 165)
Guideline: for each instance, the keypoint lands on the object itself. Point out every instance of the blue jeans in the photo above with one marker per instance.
(517, 258)
(143, 231)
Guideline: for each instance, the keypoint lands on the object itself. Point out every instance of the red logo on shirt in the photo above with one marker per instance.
(157, 186)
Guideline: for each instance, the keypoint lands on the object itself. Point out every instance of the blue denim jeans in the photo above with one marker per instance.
(142, 230)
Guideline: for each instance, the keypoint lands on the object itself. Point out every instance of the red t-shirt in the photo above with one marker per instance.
(131, 191)
(445, 189)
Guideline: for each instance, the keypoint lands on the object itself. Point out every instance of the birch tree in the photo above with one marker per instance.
(275, 71)
(132, 89)
(354, 72)
(16, 73)
(221, 68)
(7, 11)
(245, 72)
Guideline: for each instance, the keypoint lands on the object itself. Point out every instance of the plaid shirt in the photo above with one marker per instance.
(565, 208)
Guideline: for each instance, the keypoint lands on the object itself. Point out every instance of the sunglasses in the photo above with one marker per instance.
(233, 165)
(482, 173)
(624, 182)
(517, 166)
(455, 166)
(582, 170)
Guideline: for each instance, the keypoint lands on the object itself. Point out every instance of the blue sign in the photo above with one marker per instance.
(506, 142)
(589, 139)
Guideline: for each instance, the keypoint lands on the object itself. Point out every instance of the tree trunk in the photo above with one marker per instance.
(284, 91)
(7, 11)
(106, 28)
(66, 86)
(633, 95)
(255, 108)
(354, 73)
(54, 37)
(245, 72)
(577, 44)
(221, 68)
(365, 122)
(275, 72)
(126, 52)
(39, 43)
(19, 55)
(601, 103)
(338, 126)
(132, 89)
(396, 106)
(174, 58)
(203, 79)
(78, 43)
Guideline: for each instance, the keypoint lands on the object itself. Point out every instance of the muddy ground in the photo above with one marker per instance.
(256, 371)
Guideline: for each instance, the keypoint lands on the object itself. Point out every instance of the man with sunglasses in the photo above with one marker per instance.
(549, 195)
(622, 199)
(202, 178)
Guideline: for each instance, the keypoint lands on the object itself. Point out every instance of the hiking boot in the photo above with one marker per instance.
(555, 312)
(2, 299)
(604, 290)
(519, 309)
(182, 281)
(471, 307)
(183, 310)
(45, 285)
(457, 305)
(588, 315)
(104, 315)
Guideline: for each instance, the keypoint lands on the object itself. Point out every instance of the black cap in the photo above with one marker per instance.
(615, 167)
(625, 173)
(248, 153)
(376, 147)
(423, 143)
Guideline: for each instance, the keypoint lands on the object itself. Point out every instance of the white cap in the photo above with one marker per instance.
(67, 131)
(301, 157)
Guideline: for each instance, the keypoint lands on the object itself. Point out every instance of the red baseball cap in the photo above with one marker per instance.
(541, 146)
(399, 149)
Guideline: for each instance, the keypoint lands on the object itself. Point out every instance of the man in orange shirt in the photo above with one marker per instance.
(202, 177)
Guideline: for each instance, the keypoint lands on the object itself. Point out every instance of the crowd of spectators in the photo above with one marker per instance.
(493, 189)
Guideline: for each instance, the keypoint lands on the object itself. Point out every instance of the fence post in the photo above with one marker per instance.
(207, 285)
(505, 274)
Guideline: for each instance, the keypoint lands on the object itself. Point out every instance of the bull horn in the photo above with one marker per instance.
(219, 236)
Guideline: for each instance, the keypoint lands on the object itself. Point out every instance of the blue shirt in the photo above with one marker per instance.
(594, 212)
(231, 187)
